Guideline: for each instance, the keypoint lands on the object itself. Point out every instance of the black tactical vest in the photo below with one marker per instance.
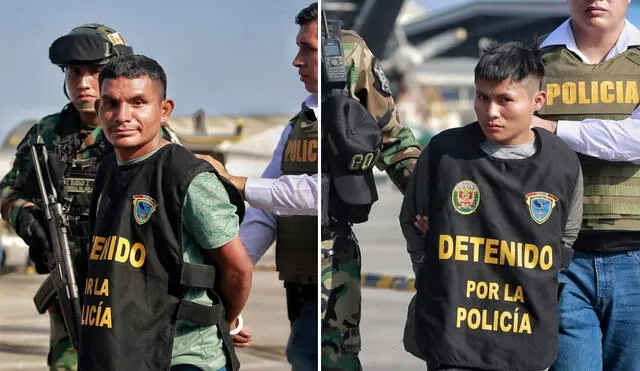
(136, 277)
(74, 169)
(297, 236)
(79, 176)
(487, 289)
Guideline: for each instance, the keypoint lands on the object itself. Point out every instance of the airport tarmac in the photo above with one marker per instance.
(384, 311)
(24, 334)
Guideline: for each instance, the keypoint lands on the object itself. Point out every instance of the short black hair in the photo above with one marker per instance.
(308, 14)
(133, 67)
(510, 60)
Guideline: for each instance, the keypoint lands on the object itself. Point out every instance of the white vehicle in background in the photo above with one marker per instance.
(14, 253)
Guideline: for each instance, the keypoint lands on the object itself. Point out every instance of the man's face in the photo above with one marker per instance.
(82, 86)
(307, 58)
(131, 112)
(505, 109)
(597, 14)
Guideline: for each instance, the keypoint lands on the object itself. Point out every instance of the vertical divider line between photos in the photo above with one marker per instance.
(319, 190)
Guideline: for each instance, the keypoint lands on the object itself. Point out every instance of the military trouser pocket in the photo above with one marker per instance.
(326, 253)
(341, 297)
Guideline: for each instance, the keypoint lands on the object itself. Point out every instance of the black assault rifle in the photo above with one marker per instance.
(62, 279)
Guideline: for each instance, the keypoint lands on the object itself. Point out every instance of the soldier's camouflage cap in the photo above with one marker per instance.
(90, 43)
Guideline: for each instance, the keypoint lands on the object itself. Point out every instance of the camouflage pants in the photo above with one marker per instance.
(62, 355)
(341, 299)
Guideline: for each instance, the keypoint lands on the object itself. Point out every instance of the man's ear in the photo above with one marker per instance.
(539, 99)
(166, 109)
(96, 105)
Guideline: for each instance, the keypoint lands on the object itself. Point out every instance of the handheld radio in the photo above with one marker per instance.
(334, 75)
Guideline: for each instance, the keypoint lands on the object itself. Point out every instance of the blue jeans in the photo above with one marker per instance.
(302, 347)
(600, 313)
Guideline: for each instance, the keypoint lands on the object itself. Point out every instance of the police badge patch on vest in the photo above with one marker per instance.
(465, 197)
(540, 205)
(382, 83)
(143, 207)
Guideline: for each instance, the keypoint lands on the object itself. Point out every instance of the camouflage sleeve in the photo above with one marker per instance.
(367, 83)
(169, 133)
(15, 189)
(11, 196)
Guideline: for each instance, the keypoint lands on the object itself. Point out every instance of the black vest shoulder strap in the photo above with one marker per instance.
(105, 169)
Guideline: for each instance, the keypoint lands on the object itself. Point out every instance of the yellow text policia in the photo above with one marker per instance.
(593, 92)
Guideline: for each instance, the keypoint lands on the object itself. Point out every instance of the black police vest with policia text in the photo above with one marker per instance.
(297, 236)
(487, 289)
(606, 90)
(136, 277)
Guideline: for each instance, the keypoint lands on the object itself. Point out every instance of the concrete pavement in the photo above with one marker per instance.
(384, 311)
(24, 334)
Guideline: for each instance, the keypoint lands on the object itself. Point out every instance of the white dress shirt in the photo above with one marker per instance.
(605, 139)
(285, 195)
(276, 194)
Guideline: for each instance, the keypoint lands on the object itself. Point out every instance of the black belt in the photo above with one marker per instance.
(307, 290)
(607, 241)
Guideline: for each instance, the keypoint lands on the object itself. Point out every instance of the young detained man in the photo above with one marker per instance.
(166, 271)
(503, 203)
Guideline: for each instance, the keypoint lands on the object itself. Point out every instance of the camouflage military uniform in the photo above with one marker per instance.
(340, 251)
(16, 188)
(81, 147)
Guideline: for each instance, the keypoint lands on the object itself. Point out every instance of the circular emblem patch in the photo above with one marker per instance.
(540, 205)
(465, 197)
(143, 207)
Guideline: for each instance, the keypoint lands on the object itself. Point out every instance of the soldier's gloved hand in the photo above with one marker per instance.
(29, 226)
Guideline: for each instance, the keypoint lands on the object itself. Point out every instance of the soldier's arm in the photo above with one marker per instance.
(12, 185)
(169, 133)
(400, 149)
(399, 154)
(370, 86)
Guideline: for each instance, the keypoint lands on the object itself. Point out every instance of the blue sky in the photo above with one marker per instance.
(225, 56)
